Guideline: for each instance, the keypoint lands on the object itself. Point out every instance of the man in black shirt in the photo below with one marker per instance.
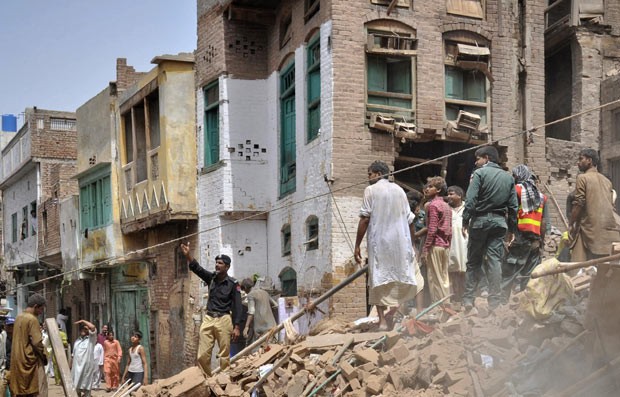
(223, 310)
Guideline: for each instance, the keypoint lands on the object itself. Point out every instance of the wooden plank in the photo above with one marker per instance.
(318, 341)
(268, 356)
(61, 358)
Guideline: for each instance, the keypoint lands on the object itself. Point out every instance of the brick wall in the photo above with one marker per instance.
(126, 75)
(172, 327)
(210, 50)
(347, 147)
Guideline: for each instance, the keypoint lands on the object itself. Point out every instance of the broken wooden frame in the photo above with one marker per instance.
(61, 357)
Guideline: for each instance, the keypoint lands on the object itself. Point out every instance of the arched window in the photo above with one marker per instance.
(312, 233)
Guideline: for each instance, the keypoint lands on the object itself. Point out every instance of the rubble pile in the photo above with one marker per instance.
(445, 352)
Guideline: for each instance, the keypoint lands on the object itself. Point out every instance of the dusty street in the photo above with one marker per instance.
(57, 391)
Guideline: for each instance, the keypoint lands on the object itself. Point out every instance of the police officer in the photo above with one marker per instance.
(224, 311)
(490, 211)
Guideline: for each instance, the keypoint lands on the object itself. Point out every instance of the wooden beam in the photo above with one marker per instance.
(391, 6)
(417, 160)
(61, 357)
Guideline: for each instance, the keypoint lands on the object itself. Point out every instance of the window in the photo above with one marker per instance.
(152, 102)
(399, 3)
(311, 7)
(312, 233)
(212, 124)
(467, 76)
(286, 31)
(33, 218)
(62, 124)
(286, 239)
(141, 133)
(128, 138)
(96, 201)
(466, 8)
(287, 133)
(314, 88)
(14, 227)
(390, 72)
(288, 281)
(25, 216)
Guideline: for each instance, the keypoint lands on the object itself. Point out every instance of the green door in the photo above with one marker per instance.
(131, 312)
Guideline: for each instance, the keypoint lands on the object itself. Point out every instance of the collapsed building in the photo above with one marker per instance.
(311, 92)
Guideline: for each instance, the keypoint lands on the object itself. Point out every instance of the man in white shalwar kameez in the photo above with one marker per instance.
(386, 215)
(84, 368)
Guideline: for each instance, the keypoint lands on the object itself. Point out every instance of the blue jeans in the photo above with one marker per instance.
(486, 238)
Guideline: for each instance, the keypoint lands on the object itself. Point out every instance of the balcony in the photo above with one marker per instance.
(566, 13)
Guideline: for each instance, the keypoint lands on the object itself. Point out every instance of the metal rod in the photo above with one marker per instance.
(296, 316)
(563, 268)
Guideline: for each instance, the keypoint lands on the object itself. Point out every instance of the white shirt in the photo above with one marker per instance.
(390, 252)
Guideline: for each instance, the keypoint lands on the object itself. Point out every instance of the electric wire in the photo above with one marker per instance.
(128, 255)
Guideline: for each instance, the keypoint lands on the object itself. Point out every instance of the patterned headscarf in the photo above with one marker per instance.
(530, 195)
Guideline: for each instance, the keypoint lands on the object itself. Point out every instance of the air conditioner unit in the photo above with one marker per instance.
(381, 122)
(467, 121)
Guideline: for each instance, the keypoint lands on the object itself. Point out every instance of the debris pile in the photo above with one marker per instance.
(443, 353)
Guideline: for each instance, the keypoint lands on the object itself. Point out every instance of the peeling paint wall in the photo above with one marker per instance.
(14, 198)
(248, 177)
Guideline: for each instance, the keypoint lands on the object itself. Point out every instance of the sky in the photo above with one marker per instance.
(57, 54)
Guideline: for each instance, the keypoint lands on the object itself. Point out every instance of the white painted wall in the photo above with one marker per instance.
(14, 198)
(69, 232)
(250, 115)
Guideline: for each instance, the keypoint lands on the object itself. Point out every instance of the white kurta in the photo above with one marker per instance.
(458, 246)
(84, 366)
(392, 278)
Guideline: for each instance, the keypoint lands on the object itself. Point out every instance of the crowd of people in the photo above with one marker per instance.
(483, 242)
(27, 359)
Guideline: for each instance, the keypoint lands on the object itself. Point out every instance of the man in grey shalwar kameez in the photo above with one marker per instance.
(84, 368)
(386, 215)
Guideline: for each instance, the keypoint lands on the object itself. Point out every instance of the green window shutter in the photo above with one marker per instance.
(314, 99)
(14, 227)
(84, 207)
(107, 199)
(454, 83)
(212, 124)
(399, 77)
(475, 86)
(287, 133)
(212, 137)
(314, 86)
(377, 74)
(94, 204)
(314, 122)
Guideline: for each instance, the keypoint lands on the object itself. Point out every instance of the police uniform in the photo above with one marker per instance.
(223, 312)
(490, 211)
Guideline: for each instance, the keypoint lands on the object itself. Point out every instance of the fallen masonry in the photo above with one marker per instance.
(535, 345)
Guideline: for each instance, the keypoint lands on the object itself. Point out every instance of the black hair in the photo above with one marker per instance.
(592, 155)
(380, 167)
(490, 152)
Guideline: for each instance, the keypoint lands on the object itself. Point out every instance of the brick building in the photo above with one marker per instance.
(295, 99)
(37, 166)
(582, 42)
(137, 195)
